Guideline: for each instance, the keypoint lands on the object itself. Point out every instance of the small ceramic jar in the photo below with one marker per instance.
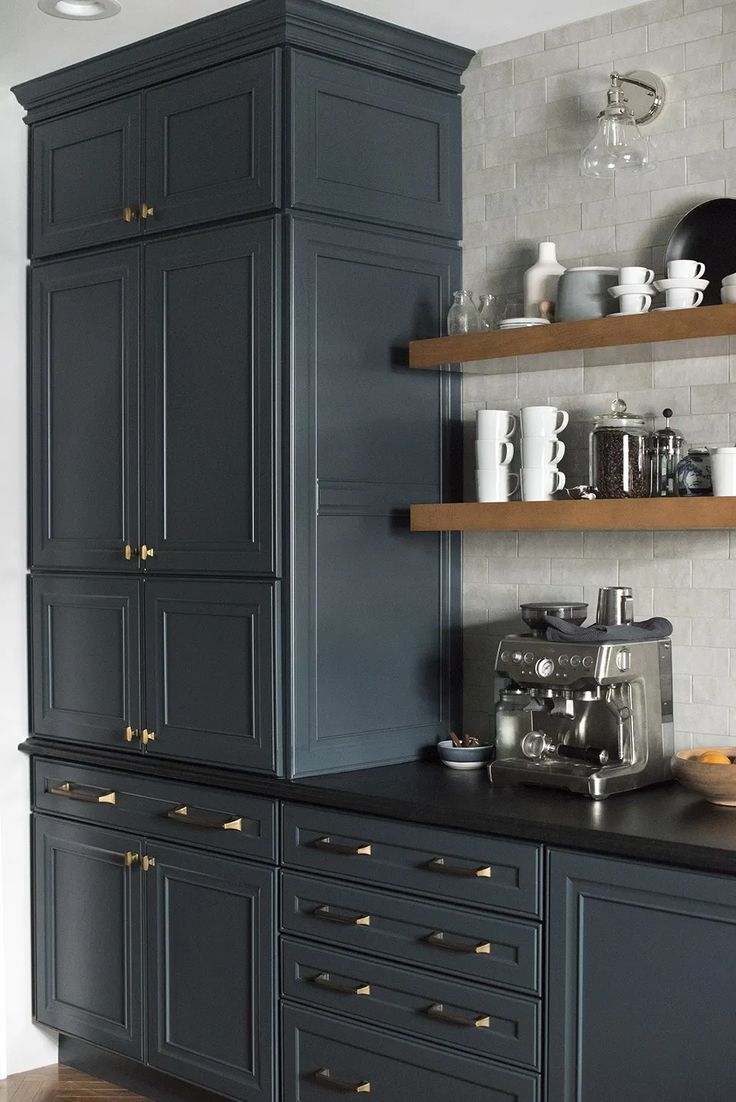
(694, 477)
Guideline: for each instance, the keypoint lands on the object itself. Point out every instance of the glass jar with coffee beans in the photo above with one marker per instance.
(620, 464)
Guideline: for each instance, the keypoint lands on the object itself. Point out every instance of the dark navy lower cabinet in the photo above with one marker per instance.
(640, 982)
(211, 971)
(88, 934)
(324, 1056)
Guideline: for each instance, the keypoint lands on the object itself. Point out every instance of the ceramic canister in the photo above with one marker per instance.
(583, 293)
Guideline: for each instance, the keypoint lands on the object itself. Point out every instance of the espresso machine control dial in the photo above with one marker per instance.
(545, 667)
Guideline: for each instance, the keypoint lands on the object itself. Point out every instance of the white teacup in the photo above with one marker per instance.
(543, 420)
(723, 466)
(682, 298)
(493, 453)
(541, 451)
(685, 269)
(539, 483)
(635, 275)
(496, 484)
(495, 424)
(634, 304)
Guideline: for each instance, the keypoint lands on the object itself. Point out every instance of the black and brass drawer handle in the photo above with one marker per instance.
(326, 912)
(438, 1011)
(454, 945)
(326, 1079)
(362, 850)
(185, 814)
(324, 979)
(84, 795)
(439, 864)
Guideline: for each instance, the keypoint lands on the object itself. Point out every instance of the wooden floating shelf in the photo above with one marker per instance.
(672, 325)
(612, 515)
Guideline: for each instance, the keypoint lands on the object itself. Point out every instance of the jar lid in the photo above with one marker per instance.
(619, 418)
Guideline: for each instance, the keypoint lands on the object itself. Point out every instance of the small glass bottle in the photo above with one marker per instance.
(619, 454)
(463, 315)
(487, 312)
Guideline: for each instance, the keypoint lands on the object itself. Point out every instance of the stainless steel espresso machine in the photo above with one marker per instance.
(591, 717)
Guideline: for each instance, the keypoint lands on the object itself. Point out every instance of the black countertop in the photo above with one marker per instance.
(664, 824)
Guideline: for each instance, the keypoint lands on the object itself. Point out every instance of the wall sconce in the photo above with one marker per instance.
(80, 9)
(618, 145)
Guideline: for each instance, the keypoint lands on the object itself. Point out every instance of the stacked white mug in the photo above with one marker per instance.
(493, 453)
(541, 451)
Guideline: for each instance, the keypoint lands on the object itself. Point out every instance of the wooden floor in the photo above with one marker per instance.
(60, 1084)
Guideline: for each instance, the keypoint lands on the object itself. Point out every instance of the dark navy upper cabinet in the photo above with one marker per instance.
(373, 147)
(374, 604)
(640, 982)
(210, 396)
(85, 177)
(212, 680)
(211, 141)
(85, 659)
(88, 934)
(211, 971)
(84, 412)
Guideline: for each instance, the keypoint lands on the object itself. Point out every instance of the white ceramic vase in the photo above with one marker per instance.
(540, 281)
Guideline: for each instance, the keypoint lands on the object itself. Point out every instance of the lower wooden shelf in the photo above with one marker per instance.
(613, 515)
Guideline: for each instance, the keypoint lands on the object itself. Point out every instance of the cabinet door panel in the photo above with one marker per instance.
(88, 934)
(85, 644)
(85, 171)
(210, 144)
(376, 148)
(640, 983)
(211, 971)
(374, 671)
(210, 671)
(210, 397)
(84, 411)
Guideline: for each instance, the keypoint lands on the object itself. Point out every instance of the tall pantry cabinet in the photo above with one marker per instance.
(236, 228)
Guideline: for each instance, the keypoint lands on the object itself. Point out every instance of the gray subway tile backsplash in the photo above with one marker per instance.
(526, 186)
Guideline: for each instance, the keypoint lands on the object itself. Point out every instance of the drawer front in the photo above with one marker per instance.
(479, 1020)
(469, 944)
(444, 864)
(324, 1056)
(229, 822)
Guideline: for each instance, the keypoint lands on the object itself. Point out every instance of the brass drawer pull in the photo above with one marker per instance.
(326, 1079)
(324, 980)
(325, 912)
(437, 1010)
(363, 850)
(196, 819)
(454, 945)
(84, 795)
(438, 864)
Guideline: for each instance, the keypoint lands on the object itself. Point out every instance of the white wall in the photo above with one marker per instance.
(22, 1045)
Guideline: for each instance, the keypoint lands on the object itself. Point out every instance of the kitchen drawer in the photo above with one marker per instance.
(470, 944)
(324, 1056)
(229, 822)
(445, 864)
(479, 1020)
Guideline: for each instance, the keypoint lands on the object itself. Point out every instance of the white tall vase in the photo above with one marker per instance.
(540, 281)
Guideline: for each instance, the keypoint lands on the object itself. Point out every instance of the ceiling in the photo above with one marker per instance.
(32, 43)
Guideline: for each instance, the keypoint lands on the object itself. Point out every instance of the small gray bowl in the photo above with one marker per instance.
(463, 757)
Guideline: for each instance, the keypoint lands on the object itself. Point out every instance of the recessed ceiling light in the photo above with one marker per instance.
(80, 9)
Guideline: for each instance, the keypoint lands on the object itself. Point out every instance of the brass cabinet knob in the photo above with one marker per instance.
(147, 552)
(131, 733)
(130, 859)
(146, 211)
(148, 863)
(130, 214)
(129, 552)
(147, 736)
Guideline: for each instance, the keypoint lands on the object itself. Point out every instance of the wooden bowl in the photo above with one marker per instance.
(715, 783)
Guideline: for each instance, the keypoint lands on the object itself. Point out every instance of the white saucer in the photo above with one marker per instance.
(632, 289)
(628, 313)
(686, 284)
(660, 308)
(520, 323)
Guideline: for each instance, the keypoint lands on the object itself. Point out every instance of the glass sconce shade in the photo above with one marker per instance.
(618, 144)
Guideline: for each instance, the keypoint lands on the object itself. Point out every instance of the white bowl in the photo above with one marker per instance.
(728, 294)
(729, 280)
(680, 284)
